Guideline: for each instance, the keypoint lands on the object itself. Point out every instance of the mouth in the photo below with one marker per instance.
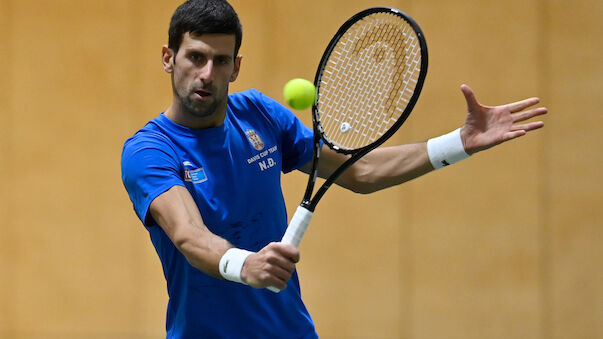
(203, 94)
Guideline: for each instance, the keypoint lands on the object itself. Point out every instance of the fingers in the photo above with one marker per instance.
(528, 127)
(276, 275)
(472, 104)
(521, 130)
(286, 250)
(523, 104)
(282, 259)
(512, 135)
(280, 264)
(271, 266)
(522, 116)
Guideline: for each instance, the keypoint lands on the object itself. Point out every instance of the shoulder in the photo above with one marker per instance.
(253, 99)
(148, 137)
(254, 102)
(246, 97)
(146, 151)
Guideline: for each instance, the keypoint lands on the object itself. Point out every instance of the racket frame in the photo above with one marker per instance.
(308, 201)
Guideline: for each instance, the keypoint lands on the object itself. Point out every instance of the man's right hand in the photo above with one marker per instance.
(273, 265)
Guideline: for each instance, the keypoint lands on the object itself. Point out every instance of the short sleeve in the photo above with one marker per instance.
(296, 138)
(149, 167)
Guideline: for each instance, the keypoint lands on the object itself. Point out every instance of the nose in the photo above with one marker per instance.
(207, 72)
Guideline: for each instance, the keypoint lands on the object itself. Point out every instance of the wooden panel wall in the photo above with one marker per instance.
(573, 192)
(6, 248)
(507, 244)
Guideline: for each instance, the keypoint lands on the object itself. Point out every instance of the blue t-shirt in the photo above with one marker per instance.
(233, 172)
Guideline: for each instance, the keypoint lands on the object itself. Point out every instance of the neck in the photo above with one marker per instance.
(191, 119)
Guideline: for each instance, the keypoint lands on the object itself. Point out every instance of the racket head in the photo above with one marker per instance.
(369, 79)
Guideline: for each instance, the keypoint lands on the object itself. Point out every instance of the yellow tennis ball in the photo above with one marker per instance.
(299, 93)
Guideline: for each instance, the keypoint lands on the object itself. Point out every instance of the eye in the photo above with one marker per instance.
(196, 57)
(223, 60)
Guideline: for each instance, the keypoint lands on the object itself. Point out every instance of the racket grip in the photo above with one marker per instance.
(295, 231)
(297, 227)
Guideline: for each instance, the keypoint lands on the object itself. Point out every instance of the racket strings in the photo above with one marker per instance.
(381, 121)
(368, 80)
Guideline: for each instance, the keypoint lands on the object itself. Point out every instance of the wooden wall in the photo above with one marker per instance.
(507, 244)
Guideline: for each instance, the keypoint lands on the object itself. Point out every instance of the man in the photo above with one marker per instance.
(215, 217)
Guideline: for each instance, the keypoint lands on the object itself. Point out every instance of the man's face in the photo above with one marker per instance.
(202, 71)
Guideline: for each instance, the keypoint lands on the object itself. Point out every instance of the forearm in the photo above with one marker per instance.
(203, 250)
(177, 214)
(386, 167)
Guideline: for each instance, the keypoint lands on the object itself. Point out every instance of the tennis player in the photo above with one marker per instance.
(204, 179)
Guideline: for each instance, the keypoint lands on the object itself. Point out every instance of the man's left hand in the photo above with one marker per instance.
(487, 126)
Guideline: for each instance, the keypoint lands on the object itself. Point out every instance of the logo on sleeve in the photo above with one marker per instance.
(255, 139)
(193, 173)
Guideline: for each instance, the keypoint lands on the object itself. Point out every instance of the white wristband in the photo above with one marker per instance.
(446, 149)
(231, 264)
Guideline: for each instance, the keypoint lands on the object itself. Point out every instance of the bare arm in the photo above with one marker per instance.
(178, 215)
(381, 168)
(384, 167)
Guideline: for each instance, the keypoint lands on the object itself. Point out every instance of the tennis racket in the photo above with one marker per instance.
(367, 83)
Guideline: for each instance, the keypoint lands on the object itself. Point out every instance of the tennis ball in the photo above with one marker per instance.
(299, 93)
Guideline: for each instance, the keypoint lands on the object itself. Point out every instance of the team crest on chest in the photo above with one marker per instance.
(255, 139)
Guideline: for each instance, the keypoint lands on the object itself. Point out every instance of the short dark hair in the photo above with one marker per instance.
(204, 17)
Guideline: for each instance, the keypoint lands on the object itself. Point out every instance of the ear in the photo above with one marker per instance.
(167, 59)
(237, 68)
